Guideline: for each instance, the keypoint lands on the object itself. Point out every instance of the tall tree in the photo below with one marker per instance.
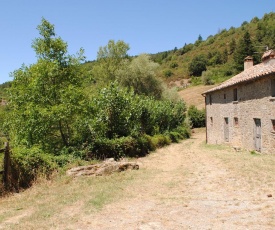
(244, 48)
(110, 58)
(197, 65)
(46, 98)
(140, 75)
(232, 46)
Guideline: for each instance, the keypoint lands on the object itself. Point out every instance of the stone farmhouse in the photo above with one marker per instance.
(241, 110)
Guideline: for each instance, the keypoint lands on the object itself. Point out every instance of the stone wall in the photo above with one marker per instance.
(254, 101)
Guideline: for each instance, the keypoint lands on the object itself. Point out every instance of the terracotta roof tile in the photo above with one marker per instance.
(251, 73)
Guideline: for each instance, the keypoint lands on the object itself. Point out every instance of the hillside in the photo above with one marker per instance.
(193, 95)
(222, 54)
(219, 55)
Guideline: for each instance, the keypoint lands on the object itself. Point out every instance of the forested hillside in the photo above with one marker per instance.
(220, 56)
(217, 57)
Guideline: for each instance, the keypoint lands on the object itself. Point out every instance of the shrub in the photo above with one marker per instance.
(197, 65)
(206, 78)
(119, 147)
(184, 131)
(161, 140)
(167, 73)
(120, 113)
(175, 136)
(197, 117)
(174, 65)
(28, 163)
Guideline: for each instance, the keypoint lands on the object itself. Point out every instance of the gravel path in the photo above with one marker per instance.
(186, 186)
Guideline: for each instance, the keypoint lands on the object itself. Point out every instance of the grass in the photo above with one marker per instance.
(256, 170)
(193, 95)
(52, 203)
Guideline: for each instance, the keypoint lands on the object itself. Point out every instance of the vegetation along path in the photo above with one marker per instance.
(189, 185)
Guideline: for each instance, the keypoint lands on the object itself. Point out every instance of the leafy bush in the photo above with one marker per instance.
(123, 146)
(160, 140)
(197, 65)
(114, 113)
(178, 134)
(28, 163)
(138, 146)
(118, 112)
(167, 73)
(206, 78)
(197, 117)
(140, 75)
(174, 65)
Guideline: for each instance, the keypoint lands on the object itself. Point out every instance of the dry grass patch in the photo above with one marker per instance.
(52, 205)
(192, 95)
(254, 171)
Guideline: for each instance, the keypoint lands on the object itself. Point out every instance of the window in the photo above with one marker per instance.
(210, 99)
(236, 121)
(273, 87)
(224, 96)
(273, 125)
(235, 94)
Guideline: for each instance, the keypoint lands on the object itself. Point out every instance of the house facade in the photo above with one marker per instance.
(241, 111)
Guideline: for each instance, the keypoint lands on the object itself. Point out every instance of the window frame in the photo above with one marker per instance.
(272, 83)
(235, 94)
(273, 125)
(236, 122)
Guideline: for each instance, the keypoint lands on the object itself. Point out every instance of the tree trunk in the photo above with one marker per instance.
(62, 134)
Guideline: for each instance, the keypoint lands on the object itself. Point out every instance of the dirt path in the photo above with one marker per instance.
(186, 186)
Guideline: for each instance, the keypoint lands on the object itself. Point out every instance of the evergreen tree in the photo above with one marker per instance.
(244, 48)
(232, 46)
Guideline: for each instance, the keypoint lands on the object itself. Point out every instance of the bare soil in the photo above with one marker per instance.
(188, 185)
(193, 95)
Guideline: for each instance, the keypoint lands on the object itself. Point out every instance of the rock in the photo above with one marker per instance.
(269, 195)
(106, 168)
(237, 148)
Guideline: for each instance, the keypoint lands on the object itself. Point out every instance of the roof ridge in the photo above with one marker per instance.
(252, 73)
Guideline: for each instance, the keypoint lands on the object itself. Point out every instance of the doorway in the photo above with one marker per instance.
(257, 134)
(226, 129)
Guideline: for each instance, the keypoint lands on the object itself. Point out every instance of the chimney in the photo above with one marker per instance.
(268, 57)
(248, 62)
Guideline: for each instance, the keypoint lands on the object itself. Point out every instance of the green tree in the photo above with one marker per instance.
(110, 59)
(232, 46)
(196, 116)
(46, 99)
(197, 65)
(199, 41)
(224, 56)
(140, 74)
(244, 48)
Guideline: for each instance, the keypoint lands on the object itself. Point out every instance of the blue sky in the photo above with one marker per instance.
(148, 26)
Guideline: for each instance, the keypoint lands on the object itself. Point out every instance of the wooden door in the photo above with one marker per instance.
(226, 129)
(258, 134)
